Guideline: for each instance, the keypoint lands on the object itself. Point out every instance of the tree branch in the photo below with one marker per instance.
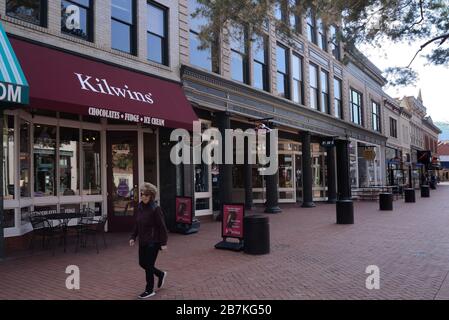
(444, 37)
(422, 15)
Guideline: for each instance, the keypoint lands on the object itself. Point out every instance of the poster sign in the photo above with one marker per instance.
(184, 210)
(232, 223)
(369, 153)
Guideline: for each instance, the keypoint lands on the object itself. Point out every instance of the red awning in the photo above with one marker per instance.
(64, 82)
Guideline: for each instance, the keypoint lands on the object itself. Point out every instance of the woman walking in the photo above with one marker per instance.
(152, 233)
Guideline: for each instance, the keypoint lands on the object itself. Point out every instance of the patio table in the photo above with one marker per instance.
(64, 219)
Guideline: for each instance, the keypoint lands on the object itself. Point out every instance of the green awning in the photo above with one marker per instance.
(13, 84)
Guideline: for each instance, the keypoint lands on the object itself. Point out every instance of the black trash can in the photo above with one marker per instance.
(386, 201)
(425, 191)
(256, 234)
(409, 195)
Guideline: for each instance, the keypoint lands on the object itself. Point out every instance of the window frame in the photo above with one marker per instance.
(165, 39)
(286, 75)
(340, 100)
(375, 116)
(359, 106)
(311, 28)
(133, 29)
(300, 81)
(321, 37)
(243, 55)
(43, 13)
(335, 44)
(214, 46)
(324, 96)
(394, 128)
(265, 64)
(316, 89)
(89, 21)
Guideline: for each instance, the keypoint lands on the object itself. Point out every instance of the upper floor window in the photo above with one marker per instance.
(376, 116)
(260, 67)
(282, 71)
(338, 110)
(356, 107)
(311, 26)
(314, 93)
(200, 56)
(394, 128)
(123, 34)
(77, 18)
(322, 38)
(279, 11)
(157, 39)
(33, 11)
(324, 81)
(298, 86)
(239, 56)
(334, 43)
(295, 17)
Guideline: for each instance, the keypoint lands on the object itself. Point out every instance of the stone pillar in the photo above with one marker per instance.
(225, 177)
(247, 167)
(331, 176)
(272, 186)
(345, 206)
(307, 196)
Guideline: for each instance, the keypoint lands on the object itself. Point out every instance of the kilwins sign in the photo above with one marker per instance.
(102, 86)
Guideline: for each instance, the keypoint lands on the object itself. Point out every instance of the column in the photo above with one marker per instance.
(272, 186)
(331, 176)
(225, 177)
(307, 196)
(345, 206)
(247, 167)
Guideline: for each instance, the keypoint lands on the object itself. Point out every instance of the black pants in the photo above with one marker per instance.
(147, 260)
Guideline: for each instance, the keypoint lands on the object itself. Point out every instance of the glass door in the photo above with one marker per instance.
(123, 189)
(203, 181)
(287, 178)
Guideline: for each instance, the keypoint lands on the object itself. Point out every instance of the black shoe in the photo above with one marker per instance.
(161, 281)
(146, 294)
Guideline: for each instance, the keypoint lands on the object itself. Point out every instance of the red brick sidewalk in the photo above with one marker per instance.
(311, 258)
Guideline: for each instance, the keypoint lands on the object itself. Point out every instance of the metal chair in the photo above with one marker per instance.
(46, 229)
(92, 227)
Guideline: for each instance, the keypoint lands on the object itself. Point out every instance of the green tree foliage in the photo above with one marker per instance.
(361, 22)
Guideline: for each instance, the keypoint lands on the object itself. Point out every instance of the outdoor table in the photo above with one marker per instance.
(64, 219)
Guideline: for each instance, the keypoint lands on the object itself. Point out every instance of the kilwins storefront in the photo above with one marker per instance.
(92, 134)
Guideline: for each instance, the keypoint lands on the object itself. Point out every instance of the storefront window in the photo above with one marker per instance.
(25, 215)
(362, 165)
(91, 162)
(69, 161)
(25, 159)
(8, 218)
(286, 171)
(8, 158)
(44, 160)
(238, 175)
(201, 178)
(95, 206)
(70, 208)
(43, 210)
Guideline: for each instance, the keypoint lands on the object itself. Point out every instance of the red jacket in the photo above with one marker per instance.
(150, 225)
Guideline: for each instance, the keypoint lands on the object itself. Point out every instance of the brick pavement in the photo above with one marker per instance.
(311, 258)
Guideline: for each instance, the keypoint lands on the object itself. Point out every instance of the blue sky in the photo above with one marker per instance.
(433, 80)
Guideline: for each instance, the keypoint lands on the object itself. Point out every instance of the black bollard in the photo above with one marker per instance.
(385, 201)
(409, 195)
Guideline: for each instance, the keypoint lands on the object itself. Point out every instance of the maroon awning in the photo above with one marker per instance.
(64, 82)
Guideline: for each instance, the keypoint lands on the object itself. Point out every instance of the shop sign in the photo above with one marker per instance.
(232, 223)
(184, 212)
(369, 153)
(327, 143)
(126, 116)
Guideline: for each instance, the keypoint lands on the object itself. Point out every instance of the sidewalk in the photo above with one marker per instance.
(311, 258)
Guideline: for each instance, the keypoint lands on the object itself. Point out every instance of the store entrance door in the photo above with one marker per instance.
(123, 189)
